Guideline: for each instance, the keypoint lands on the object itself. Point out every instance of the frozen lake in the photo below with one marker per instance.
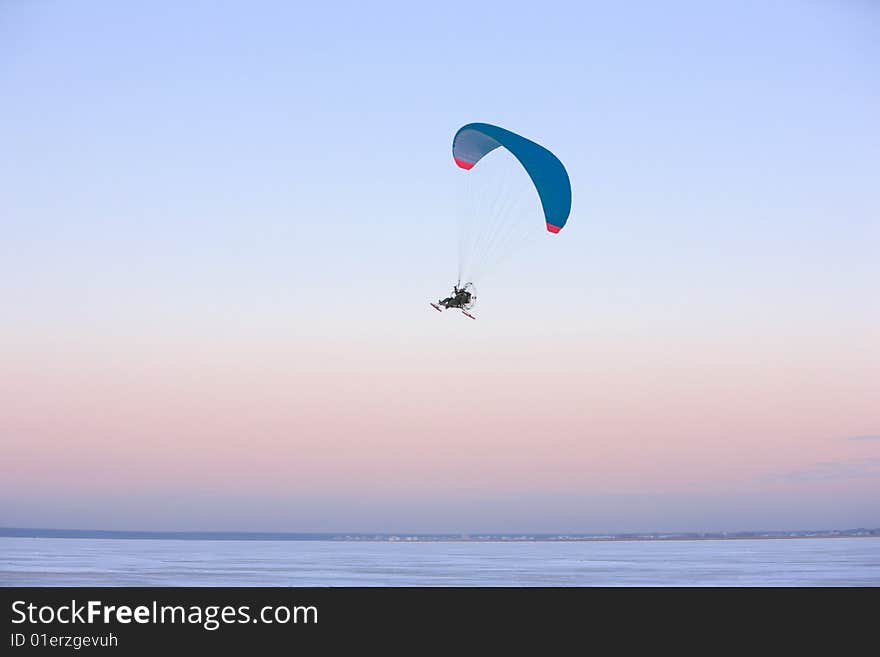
(117, 562)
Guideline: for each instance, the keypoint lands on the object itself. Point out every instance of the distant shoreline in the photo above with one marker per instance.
(17, 532)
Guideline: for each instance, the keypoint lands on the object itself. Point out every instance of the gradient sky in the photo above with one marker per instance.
(222, 222)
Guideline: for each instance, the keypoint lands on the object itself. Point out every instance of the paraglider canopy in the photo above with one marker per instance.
(475, 140)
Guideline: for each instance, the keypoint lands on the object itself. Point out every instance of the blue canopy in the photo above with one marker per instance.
(475, 140)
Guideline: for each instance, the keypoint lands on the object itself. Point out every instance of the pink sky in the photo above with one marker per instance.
(306, 437)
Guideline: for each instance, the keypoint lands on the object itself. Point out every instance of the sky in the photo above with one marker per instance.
(222, 223)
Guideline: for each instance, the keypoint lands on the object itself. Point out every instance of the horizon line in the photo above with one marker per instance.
(122, 534)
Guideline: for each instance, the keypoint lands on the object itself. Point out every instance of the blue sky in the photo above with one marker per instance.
(717, 134)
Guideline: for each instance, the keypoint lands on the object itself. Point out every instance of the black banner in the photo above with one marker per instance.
(136, 620)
